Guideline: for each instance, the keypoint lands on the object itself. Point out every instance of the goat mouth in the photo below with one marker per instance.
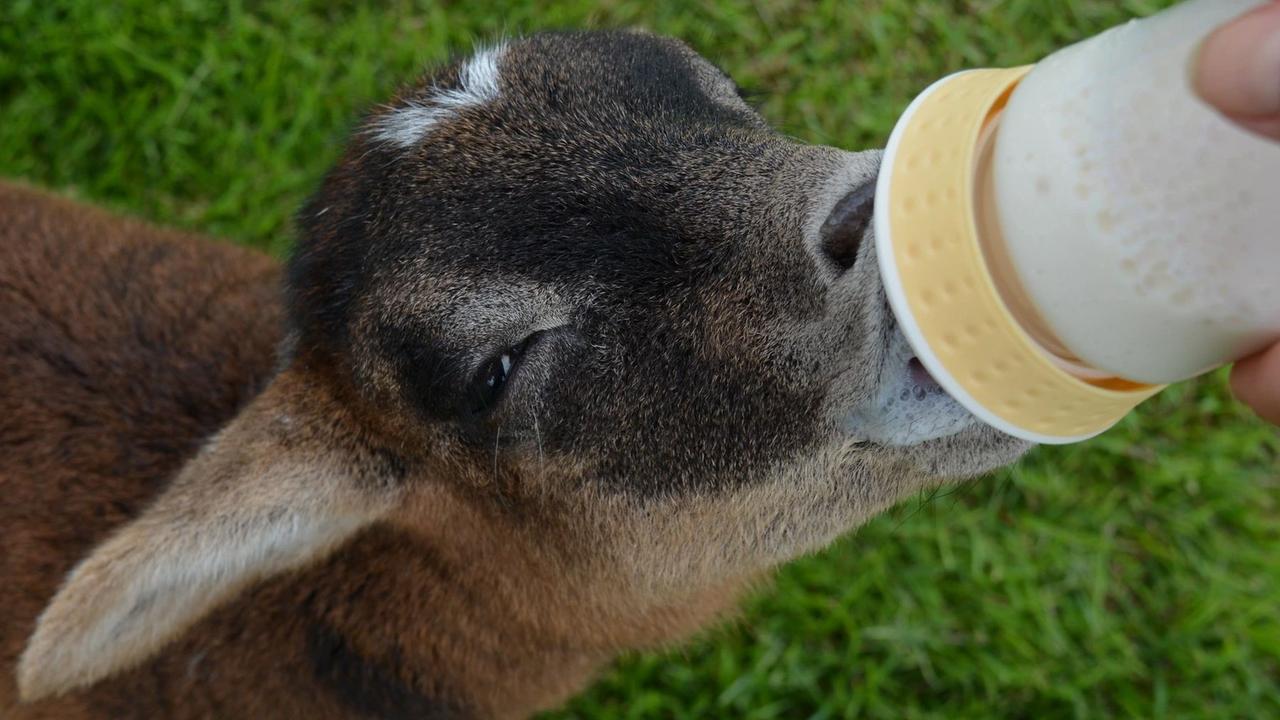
(910, 407)
(919, 375)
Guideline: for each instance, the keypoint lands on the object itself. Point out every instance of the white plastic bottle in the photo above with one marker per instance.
(1102, 229)
(1144, 226)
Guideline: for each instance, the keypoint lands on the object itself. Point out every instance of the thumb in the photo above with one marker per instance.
(1238, 70)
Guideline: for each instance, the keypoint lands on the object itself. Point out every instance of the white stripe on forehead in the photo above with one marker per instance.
(406, 126)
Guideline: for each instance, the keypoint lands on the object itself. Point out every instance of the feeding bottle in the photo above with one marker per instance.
(1058, 242)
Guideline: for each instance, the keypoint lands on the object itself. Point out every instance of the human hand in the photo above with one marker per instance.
(1256, 381)
(1238, 72)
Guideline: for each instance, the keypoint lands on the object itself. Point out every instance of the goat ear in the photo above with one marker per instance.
(279, 486)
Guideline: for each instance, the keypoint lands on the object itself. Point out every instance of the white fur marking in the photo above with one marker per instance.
(478, 84)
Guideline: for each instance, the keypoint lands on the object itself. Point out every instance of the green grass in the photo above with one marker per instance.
(1137, 575)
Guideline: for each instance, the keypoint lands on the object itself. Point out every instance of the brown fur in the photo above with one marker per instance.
(87, 446)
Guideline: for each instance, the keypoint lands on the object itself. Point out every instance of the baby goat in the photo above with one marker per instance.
(573, 348)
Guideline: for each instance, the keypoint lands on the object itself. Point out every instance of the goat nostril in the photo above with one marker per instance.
(841, 233)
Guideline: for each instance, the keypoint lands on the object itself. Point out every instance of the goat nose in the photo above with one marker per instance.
(841, 233)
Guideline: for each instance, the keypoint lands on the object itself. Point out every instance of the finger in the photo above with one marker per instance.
(1238, 69)
(1256, 381)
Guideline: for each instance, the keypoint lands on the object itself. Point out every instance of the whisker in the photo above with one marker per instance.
(923, 501)
(497, 440)
(537, 434)
(497, 479)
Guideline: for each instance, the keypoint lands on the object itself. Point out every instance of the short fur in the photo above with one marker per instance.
(219, 503)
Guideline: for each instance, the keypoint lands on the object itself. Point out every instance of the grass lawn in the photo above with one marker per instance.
(1137, 575)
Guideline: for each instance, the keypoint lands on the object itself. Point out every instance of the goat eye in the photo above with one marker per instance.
(495, 373)
(496, 376)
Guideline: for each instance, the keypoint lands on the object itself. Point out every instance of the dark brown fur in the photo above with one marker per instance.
(375, 630)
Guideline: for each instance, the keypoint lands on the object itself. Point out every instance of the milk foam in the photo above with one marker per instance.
(1144, 227)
